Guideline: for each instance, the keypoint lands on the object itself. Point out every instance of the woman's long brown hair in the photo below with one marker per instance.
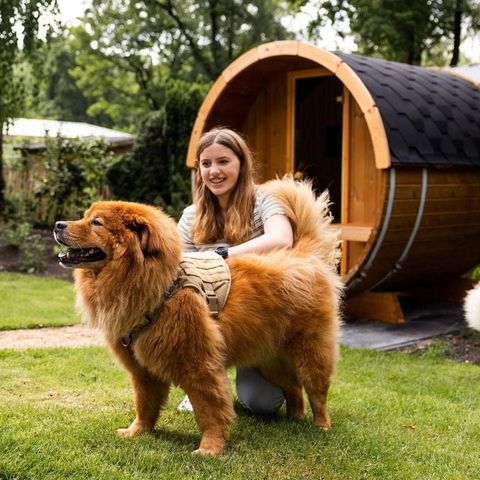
(210, 224)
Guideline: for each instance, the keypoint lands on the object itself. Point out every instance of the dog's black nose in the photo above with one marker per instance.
(60, 225)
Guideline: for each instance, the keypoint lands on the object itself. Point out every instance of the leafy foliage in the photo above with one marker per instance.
(30, 245)
(62, 183)
(52, 91)
(123, 64)
(155, 172)
(475, 273)
(401, 30)
(12, 14)
(75, 177)
(213, 33)
(15, 13)
(122, 89)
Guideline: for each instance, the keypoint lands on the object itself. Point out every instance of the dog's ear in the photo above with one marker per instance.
(150, 241)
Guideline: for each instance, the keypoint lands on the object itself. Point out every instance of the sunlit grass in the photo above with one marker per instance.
(395, 416)
(28, 301)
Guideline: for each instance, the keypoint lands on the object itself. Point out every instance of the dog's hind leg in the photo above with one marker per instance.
(282, 374)
(295, 402)
(315, 363)
(212, 402)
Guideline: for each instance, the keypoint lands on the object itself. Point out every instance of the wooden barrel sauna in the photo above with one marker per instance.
(397, 145)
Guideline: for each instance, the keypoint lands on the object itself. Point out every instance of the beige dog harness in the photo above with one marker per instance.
(208, 273)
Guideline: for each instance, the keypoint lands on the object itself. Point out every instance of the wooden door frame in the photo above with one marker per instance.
(292, 77)
(290, 128)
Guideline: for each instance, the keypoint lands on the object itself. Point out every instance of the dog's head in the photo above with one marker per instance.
(112, 231)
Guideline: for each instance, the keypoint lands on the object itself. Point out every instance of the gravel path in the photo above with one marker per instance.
(74, 336)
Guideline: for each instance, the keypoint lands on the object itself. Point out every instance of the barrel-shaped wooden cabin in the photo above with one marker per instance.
(398, 146)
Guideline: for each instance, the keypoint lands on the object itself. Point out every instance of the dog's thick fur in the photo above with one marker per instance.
(282, 314)
(472, 307)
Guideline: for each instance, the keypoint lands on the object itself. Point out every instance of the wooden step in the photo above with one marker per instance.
(353, 232)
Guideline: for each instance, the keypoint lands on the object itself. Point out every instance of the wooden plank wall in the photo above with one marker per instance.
(446, 244)
(366, 185)
(265, 128)
(405, 206)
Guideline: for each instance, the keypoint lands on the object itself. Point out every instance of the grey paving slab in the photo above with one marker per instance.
(423, 320)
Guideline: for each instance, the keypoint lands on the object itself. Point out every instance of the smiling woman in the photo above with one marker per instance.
(230, 210)
(219, 169)
(233, 216)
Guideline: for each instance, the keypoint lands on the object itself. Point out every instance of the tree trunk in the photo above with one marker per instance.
(411, 50)
(457, 33)
(2, 180)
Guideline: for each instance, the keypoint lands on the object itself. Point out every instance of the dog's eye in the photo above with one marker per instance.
(96, 222)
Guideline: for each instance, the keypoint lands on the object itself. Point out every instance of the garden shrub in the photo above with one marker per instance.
(60, 182)
(32, 254)
(14, 234)
(75, 176)
(474, 274)
(154, 171)
(30, 245)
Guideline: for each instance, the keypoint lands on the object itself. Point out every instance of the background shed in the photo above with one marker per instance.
(398, 146)
(35, 130)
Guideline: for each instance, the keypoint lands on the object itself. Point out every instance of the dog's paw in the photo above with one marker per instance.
(207, 451)
(323, 424)
(126, 432)
(131, 431)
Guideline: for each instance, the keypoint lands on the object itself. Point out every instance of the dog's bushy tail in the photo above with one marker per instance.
(310, 216)
(472, 307)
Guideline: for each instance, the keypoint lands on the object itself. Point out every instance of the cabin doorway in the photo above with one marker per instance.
(317, 146)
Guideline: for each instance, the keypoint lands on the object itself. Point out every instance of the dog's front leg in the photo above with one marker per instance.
(212, 403)
(150, 395)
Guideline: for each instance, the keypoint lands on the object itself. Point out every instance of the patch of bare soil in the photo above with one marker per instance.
(462, 346)
(11, 259)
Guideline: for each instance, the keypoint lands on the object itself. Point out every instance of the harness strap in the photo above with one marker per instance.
(150, 318)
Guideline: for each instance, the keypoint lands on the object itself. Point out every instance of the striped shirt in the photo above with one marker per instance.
(265, 207)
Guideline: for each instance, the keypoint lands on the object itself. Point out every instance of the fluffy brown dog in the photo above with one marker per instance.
(281, 315)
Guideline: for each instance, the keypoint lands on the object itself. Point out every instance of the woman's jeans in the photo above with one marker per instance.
(256, 394)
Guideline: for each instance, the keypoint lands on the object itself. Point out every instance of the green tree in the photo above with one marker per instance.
(214, 32)
(125, 49)
(59, 96)
(401, 30)
(154, 171)
(50, 89)
(13, 15)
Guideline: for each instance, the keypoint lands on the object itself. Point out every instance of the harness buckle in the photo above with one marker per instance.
(213, 303)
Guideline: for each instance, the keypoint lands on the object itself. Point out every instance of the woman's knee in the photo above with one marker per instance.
(257, 394)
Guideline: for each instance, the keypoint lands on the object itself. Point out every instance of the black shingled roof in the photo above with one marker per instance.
(430, 117)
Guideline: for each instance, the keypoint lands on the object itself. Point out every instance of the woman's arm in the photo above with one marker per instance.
(278, 234)
(184, 226)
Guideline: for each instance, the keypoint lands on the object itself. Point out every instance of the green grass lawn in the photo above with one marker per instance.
(395, 416)
(28, 301)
